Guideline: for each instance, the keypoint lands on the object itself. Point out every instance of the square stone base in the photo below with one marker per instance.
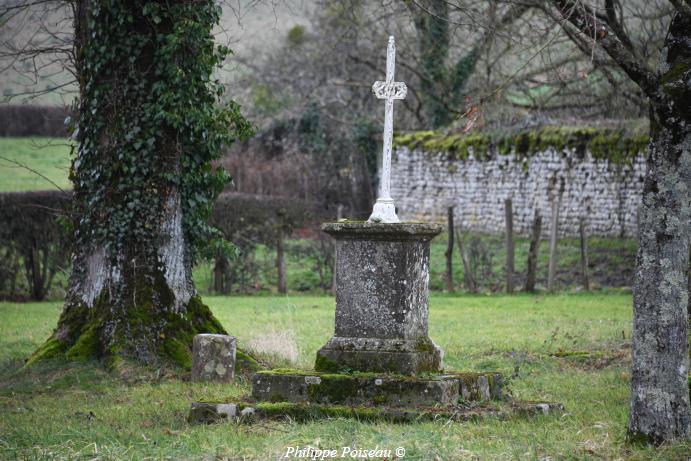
(408, 357)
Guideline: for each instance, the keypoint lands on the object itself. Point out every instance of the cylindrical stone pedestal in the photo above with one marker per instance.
(382, 277)
(213, 358)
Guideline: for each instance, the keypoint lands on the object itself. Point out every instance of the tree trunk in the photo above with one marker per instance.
(508, 208)
(218, 276)
(32, 266)
(449, 251)
(553, 239)
(531, 276)
(660, 409)
(221, 276)
(361, 186)
(131, 294)
(584, 255)
(133, 304)
(280, 262)
(659, 379)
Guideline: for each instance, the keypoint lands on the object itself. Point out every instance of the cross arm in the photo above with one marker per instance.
(389, 90)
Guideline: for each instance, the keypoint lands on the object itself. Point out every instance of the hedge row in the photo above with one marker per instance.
(35, 233)
(259, 217)
(34, 240)
(25, 120)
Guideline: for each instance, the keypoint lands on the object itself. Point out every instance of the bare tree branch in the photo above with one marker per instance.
(608, 39)
(683, 7)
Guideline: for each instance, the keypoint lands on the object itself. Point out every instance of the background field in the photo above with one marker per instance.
(48, 156)
(79, 411)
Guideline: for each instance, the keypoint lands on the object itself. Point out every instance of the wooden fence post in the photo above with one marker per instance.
(280, 262)
(584, 255)
(553, 238)
(468, 278)
(449, 251)
(508, 208)
(533, 251)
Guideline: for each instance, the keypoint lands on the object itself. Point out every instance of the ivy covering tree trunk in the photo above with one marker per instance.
(148, 129)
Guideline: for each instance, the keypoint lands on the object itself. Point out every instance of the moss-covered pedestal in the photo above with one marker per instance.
(382, 276)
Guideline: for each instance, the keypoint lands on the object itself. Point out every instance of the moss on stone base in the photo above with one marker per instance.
(248, 412)
(305, 412)
(323, 363)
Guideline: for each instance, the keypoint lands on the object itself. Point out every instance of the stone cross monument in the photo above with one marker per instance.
(380, 334)
(382, 276)
(384, 209)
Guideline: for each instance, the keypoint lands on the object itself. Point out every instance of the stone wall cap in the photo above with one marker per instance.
(404, 230)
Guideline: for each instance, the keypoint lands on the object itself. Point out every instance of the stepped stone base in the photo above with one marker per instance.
(305, 395)
(297, 386)
(248, 412)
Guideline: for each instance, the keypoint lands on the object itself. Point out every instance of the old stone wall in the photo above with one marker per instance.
(606, 193)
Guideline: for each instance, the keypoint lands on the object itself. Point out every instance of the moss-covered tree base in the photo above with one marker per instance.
(143, 334)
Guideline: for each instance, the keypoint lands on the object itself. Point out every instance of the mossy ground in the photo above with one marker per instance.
(74, 410)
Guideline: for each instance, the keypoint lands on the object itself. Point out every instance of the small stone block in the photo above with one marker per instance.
(479, 387)
(213, 358)
(536, 408)
(208, 413)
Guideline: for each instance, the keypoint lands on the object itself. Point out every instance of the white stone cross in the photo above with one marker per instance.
(384, 210)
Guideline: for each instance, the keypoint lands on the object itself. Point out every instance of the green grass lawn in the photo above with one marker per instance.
(49, 158)
(79, 411)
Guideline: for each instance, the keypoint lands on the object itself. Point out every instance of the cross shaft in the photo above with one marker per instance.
(389, 90)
